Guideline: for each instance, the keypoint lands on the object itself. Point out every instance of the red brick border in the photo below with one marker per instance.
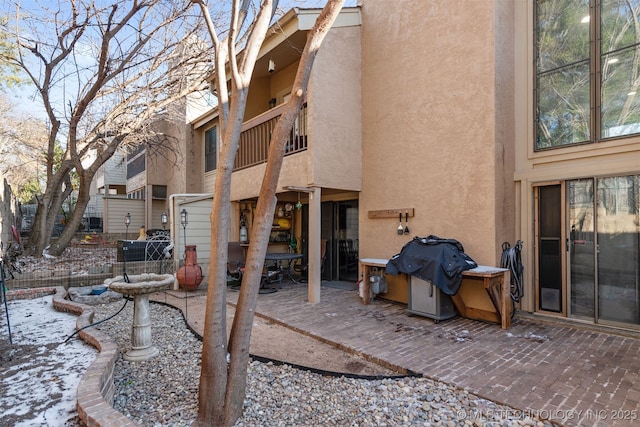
(31, 293)
(96, 389)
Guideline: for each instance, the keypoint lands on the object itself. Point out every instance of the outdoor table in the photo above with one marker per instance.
(278, 257)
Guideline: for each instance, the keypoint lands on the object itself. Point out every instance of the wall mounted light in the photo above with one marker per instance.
(184, 220)
(163, 220)
(272, 66)
(127, 221)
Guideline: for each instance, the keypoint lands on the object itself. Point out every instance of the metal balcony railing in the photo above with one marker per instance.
(256, 135)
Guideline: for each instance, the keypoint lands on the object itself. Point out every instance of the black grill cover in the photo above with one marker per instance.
(439, 261)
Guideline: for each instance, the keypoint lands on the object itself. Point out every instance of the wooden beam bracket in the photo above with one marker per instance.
(390, 213)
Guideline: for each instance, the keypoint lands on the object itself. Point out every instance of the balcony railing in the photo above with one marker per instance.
(256, 135)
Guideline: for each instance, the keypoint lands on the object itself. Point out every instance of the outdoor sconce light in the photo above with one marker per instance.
(163, 220)
(184, 217)
(127, 221)
(184, 220)
(272, 66)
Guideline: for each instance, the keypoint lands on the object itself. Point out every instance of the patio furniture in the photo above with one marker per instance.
(304, 269)
(279, 258)
(235, 261)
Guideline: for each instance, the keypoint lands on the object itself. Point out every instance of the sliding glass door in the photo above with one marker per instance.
(617, 225)
(596, 223)
(581, 247)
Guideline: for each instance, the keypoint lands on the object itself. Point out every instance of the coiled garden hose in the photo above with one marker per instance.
(512, 259)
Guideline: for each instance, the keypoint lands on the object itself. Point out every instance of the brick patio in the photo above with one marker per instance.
(568, 373)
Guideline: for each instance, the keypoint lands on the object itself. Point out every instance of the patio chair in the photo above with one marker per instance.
(235, 262)
(235, 269)
(271, 274)
(303, 270)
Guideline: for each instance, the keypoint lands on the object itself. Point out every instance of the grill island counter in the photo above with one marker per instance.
(483, 295)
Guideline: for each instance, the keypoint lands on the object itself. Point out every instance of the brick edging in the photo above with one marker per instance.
(30, 293)
(96, 389)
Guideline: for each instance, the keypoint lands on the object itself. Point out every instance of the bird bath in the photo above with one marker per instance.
(139, 287)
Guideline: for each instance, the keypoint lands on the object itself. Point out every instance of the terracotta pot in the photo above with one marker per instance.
(190, 274)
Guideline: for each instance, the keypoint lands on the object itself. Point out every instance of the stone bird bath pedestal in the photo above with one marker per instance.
(139, 287)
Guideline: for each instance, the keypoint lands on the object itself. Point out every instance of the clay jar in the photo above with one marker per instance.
(190, 274)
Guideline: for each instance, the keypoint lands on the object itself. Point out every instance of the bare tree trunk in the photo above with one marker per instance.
(216, 374)
(73, 223)
(213, 377)
(214, 368)
(48, 208)
(38, 229)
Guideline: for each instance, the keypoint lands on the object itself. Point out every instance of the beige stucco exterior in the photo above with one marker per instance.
(437, 119)
(402, 119)
(333, 158)
(427, 106)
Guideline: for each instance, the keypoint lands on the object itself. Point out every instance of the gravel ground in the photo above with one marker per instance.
(163, 391)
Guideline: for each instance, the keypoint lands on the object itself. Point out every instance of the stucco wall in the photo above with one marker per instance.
(436, 126)
(334, 112)
(505, 123)
(334, 152)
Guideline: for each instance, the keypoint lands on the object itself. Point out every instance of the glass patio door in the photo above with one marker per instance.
(603, 249)
(581, 248)
(340, 226)
(618, 239)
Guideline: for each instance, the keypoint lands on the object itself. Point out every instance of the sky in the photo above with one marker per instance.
(27, 102)
(42, 390)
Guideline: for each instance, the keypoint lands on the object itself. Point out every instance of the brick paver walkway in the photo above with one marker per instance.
(573, 375)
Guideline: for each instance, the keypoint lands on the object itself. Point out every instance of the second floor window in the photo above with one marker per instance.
(136, 166)
(210, 149)
(587, 71)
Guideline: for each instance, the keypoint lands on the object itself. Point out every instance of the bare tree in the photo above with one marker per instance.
(9, 73)
(104, 73)
(22, 143)
(224, 367)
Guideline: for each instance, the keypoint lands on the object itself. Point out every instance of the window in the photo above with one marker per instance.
(159, 191)
(210, 149)
(136, 166)
(139, 194)
(585, 89)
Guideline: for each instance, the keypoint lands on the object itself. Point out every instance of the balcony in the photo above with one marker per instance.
(256, 135)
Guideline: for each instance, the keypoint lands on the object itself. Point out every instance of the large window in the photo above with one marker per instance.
(587, 71)
(210, 149)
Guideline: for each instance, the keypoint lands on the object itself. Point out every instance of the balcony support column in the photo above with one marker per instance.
(315, 261)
